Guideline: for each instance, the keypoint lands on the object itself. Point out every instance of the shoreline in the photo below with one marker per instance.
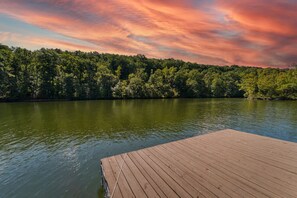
(98, 99)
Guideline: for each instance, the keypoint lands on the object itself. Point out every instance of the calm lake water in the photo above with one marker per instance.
(52, 149)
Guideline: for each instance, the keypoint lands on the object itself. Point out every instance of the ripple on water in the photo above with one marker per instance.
(53, 149)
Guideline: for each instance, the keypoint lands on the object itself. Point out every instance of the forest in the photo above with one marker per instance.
(55, 74)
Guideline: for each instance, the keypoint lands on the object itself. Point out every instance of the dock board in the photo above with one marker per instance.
(226, 163)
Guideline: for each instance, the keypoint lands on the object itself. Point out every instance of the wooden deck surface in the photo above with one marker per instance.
(226, 163)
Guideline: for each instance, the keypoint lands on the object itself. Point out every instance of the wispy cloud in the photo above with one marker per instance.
(247, 32)
(40, 42)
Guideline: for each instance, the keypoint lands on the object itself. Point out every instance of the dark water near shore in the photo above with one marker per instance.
(53, 149)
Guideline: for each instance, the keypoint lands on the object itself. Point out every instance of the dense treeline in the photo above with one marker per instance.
(56, 74)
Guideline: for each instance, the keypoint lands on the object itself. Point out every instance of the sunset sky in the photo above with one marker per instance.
(223, 32)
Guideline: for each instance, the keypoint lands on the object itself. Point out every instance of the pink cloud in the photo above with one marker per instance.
(39, 42)
(247, 32)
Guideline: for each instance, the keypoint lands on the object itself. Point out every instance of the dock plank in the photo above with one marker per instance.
(166, 177)
(243, 144)
(249, 178)
(108, 173)
(182, 172)
(280, 176)
(142, 180)
(120, 180)
(226, 163)
(264, 157)
(203, 173)
(177, 178)
(166, 189)
(130, 178)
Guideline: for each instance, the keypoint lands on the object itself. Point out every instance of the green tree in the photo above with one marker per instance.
(218, 87)
(266, 84)
(249, 85)
(287, 85)
(232, 85)
(106, 80)
(195, 85)
(160, 84)
(47, 61)
(53, 74)
(136, 87)
(119, 90)
(6, 55)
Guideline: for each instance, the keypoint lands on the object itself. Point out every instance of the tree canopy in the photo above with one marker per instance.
(57, 74)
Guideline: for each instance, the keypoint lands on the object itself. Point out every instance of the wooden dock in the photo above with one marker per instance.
(226, 163)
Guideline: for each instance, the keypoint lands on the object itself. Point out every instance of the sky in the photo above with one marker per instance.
(220, 32)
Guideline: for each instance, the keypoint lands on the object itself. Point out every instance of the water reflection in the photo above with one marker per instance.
(53, 148)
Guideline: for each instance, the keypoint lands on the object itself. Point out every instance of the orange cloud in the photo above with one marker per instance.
(247, 32)
(39, 42)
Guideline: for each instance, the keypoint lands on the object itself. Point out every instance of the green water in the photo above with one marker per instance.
(52, 149)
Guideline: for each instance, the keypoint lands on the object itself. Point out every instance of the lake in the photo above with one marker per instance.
(53, 149)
